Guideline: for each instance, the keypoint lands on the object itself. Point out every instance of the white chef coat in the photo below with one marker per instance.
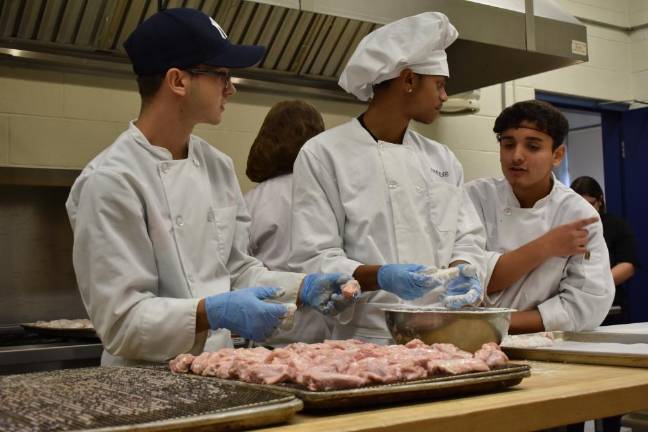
(357, 201)
(571, 293)
(152, 236)
(270, 207)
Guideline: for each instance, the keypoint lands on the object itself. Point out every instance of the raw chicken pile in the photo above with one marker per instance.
(335, 365)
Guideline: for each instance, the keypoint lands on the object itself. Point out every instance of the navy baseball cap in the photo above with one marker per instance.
(183, 38)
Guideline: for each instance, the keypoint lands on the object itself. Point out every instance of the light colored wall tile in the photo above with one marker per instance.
(30, 91)
(56, 142)
(582, 80)
(471, 132)
(638, 12)
(640, 84)
(615, 5)
(638, 18)
(4, 140)
(608, 33)
(490, 101)
(104, 98)
(639, 51)
(523, 93)
(479, 164)
(594, 11)
(247, 109)
(639, 35)
(607, 54)
(636, 5)
(516, 92)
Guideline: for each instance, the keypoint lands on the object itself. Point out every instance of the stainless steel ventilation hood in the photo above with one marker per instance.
(308, 41)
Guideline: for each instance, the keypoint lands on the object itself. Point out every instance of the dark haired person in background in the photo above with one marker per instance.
(286, 127)
(620, 243)
(546, 253)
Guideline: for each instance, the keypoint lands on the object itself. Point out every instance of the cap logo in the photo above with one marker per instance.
(220, 30)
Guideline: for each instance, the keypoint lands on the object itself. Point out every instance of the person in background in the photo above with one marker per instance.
(546, 253)
(373, 191)
(160, 225)
(620, 243)
(287, 126)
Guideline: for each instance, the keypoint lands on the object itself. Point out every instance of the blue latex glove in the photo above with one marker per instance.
(464, 290)
(244, 312)
(407, 281)
(323, 291)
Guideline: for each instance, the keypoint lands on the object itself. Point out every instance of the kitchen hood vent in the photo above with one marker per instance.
(308, 41)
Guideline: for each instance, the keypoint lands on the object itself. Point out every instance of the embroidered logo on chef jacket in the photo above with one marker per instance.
(440, 173)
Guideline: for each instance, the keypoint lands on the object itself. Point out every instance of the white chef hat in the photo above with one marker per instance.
(417, 42)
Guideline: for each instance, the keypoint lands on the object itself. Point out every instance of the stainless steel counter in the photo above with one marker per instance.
(22, 352)
(51, 356)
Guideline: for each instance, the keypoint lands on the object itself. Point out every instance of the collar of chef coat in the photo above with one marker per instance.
(157, 152)
(366, 134)
(512, 201)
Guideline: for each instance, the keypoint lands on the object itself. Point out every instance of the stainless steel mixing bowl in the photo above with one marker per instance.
(467, 328)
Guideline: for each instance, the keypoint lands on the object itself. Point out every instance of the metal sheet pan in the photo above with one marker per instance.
(599, 348)
(602, 336)
(149, 399)
(80, 333)
(431, 388)
(242, 419)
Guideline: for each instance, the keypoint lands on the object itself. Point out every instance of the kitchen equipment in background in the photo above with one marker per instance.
(24, 351)
(601, 347)
(309, 42)
(146, 399)
(462, 103)
(75, 329)
(467, 328)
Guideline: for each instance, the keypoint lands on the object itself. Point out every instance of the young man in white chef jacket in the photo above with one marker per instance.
(160, 226)
(547, 256)
(373, 191)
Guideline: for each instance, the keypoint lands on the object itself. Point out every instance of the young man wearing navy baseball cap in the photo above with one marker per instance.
(160, 226)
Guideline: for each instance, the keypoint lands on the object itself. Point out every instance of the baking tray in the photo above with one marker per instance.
(136, 399)
(80, 333)
(419, 390)
(596, 347)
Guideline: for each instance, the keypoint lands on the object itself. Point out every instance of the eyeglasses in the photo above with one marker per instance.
(226, 76)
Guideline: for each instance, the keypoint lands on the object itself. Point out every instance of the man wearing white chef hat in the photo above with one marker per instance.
(373, 191)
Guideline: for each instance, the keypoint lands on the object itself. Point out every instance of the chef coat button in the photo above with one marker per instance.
(179, 221)
(210, 215)
(392, 184)
(164, 168)
(196, 162)
(420, 189)
(507, 211)
(190, 278)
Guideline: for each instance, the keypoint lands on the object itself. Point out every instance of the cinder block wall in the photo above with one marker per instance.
(61, 120)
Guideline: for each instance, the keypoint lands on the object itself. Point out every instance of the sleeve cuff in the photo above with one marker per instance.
(491, 261)
(554, 316)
